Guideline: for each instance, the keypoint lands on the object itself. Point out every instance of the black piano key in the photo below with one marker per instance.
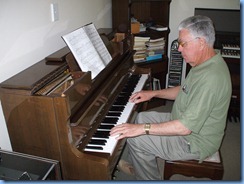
(108, 123)
(98, 141)
(114, 114)
(101, 134)
(95, 147)
(110, 120)
(124, 94)
(104, 132)
(124, 97)
(120, 102)
(128, 90)
(117, 108)
(106, 127)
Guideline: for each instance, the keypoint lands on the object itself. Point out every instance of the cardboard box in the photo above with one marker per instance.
(135, 27)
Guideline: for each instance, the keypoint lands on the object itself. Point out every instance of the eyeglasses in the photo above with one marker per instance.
(183, 44)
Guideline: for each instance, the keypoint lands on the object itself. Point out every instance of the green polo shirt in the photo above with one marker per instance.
(202, 105)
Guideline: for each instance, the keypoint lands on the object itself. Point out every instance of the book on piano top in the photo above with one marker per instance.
(88, 49)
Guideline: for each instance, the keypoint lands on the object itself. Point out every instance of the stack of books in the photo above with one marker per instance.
(148, 49)
(155, 48)
(140, 48)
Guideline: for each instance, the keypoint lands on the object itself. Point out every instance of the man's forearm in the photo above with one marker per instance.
(169, 93)
(173, 127)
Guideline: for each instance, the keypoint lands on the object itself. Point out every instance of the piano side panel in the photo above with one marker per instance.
(39, 125)
(31, 125)
(75, 164)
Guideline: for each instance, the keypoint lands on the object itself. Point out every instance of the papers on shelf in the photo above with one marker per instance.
(159, 28)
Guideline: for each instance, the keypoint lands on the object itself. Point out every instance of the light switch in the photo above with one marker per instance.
(54, 12)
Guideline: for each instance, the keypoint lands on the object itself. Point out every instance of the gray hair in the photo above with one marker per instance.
(200, 26)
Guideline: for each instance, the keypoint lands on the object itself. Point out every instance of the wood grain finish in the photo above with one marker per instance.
(42, 125)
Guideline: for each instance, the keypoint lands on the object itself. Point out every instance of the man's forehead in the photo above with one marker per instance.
(184, 34)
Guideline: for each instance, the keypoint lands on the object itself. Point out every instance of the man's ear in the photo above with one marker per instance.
(203, 43)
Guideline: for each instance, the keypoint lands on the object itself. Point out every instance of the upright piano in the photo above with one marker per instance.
(54, 110)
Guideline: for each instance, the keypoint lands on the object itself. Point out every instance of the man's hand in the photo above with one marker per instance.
(141, 96)
(127, 130)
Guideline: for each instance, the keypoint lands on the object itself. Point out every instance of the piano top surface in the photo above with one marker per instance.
(27, 78)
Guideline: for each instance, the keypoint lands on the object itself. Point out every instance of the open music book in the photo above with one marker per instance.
(88, 49)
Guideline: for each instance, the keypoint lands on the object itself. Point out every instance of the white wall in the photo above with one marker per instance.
(181, 9)
(27, 34)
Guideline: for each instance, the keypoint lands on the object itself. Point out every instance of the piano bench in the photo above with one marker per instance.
(211, 167)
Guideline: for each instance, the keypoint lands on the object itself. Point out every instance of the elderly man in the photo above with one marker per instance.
(195, 127)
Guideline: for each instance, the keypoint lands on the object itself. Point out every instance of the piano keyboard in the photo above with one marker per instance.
(117, 114)
(231, 46)
(230, 51)
(228, 54)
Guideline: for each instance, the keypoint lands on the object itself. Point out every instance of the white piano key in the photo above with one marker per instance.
(129, 106)
(108, 148)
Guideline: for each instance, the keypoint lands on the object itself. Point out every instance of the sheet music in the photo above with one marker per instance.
(98, 43)
(88, 49)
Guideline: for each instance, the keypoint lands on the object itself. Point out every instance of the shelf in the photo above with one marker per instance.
(149, 12)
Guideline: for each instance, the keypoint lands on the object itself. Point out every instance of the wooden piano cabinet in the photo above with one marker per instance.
(41, 124)
(77, 164)
(26, 117)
